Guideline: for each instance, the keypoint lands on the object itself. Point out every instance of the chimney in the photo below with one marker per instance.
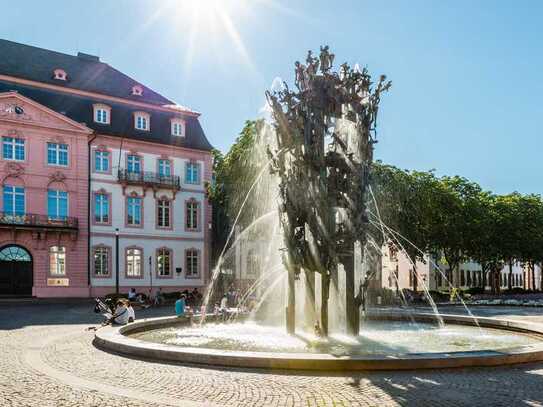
(88, 57)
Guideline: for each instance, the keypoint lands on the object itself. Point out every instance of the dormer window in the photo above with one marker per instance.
(142, 121)
(137, 90)
(60, 74)
(178, 127)
(102, 114)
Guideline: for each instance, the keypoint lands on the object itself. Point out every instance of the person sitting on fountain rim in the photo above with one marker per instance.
(180, 306)
(120, 316)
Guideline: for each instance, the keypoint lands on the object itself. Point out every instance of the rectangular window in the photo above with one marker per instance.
(101, 116)
(192, 175)
(57, 154)
(163, 262)
(57, 261)
(164, 168)
(253, 263)
(101, 161)
(133, 163)
(192, 215)
(142, 123)
(133, 211)
(101, 261)
(14, 200)
(13, 148)
(177, 129)
(192, 263)
(101, 208)
(57, 204)
(133, 262)
(163, 213)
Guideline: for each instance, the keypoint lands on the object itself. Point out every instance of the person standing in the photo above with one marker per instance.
(158, 296)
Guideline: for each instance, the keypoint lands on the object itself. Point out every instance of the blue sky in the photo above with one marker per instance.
(466, 96)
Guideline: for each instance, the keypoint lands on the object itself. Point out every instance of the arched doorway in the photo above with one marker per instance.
(15, 271)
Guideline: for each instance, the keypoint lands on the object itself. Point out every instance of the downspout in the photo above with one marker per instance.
(89, 211)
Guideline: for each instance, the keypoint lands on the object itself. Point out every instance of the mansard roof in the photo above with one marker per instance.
(80, 109)
(84, 72)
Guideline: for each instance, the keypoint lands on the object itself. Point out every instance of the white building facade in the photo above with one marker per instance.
(397, 272)
(153, 200)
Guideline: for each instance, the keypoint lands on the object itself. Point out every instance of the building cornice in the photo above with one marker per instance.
(78, 92)
(165, 149)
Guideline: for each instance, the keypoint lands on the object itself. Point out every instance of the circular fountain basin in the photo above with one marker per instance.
(387, 342)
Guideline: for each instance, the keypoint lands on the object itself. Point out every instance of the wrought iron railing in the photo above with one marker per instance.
(149, 178)
(34, 220)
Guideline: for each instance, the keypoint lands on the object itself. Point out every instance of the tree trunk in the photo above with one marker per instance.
(309, 301)
(291, 304)
(510, 278)
(351, 307)
(497, 274)
(532, 270)
(415, 279)
(325, 294)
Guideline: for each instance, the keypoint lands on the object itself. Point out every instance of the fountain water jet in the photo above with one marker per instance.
(322, 187)
(320, 162)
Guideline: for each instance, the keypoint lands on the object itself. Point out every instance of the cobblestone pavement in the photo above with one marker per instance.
(47, 359)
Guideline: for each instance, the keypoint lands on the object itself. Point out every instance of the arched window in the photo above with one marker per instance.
(192, 263)
(163, 213)
(134, 262)
(192, 209)
(142, 121)
(178, 127)
(14, 253)
(164, 262)
(102, 113)
(101, 261)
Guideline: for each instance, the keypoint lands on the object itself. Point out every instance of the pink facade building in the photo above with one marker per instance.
(103, 181)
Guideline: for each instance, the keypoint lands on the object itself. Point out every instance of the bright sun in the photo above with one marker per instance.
(209, 25)
(212, 26)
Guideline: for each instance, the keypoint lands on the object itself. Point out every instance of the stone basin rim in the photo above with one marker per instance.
(115, 339)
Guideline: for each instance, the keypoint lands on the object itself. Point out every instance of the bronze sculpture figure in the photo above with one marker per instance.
(325, 138)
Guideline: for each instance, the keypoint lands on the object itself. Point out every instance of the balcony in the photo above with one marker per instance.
(149, 179)
(33, 221)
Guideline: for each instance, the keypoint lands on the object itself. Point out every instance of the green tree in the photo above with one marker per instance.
(530, 231)
(485, 248)
(405, 202)
(454, 228)
(233, 176)
(509, 220)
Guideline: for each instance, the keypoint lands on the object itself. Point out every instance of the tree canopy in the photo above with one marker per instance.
(450, 217)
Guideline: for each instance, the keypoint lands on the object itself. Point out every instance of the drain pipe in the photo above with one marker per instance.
(89, 211)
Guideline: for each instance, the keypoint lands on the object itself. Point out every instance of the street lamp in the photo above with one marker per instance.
(116, 260)
(150, 277)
